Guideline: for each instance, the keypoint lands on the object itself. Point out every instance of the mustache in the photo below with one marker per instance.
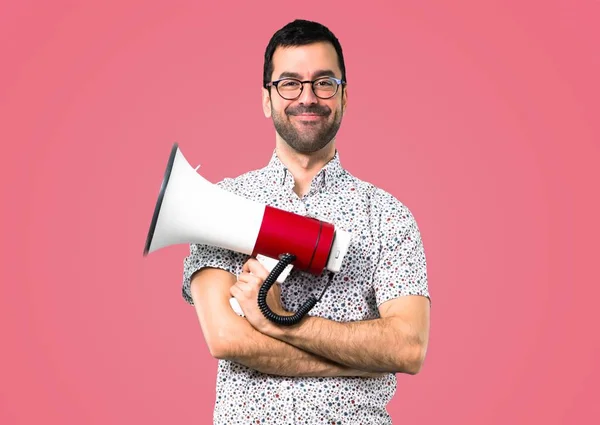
(312, 109)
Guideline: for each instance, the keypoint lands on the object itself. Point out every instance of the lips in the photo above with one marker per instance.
(308, 117)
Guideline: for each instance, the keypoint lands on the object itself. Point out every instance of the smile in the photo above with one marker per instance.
(308, 117)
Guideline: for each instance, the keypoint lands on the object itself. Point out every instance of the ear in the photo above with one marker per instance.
(344, 97)
(266, 102)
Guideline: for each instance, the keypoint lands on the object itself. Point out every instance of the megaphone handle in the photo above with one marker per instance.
(284, 261)
(269, 264)
(235, 305)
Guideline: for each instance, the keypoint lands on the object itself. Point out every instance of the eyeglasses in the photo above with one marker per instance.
(291, 88)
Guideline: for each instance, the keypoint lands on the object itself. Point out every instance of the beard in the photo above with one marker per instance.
(312, 135)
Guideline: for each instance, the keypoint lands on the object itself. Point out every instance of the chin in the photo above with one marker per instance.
(306, 149)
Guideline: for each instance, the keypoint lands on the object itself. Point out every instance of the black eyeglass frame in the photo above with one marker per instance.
(339, 83)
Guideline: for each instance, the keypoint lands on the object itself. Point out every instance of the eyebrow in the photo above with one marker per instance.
(317, 74)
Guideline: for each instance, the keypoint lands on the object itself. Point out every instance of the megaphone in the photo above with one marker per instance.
(192, 210)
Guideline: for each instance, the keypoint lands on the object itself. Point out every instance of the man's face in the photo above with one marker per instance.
(308, 123)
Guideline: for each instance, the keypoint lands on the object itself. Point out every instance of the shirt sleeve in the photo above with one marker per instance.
(402, 267)
(202, 256)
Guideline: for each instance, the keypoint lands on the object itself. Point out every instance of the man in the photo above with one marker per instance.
(338, 364)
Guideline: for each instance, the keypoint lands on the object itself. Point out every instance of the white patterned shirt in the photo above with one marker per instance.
(385, 260)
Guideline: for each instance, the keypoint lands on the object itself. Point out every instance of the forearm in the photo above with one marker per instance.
(380, 345)
(229, 336)
(269, 355)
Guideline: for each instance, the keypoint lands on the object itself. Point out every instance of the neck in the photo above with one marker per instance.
(303, 166)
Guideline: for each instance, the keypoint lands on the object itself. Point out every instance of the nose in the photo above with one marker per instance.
(308, 95)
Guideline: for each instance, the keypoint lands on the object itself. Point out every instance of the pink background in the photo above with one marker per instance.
(487, 130)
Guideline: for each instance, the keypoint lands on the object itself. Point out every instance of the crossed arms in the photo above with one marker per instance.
(396, 342)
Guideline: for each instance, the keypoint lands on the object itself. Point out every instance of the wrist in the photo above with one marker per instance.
(290, 333)
(278, 331)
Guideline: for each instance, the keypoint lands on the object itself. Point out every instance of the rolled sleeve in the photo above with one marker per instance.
(202, 256)
(402, 266)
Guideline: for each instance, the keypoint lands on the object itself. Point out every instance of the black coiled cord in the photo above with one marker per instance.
(284, 261)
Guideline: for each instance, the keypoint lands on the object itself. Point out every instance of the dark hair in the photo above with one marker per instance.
(299, 33)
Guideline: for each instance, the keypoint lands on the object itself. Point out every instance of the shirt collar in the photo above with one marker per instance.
(327, 176)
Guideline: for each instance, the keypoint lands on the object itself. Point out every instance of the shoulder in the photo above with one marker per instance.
(244, 182)
(386, 209)
(382, 201)
(386, 203)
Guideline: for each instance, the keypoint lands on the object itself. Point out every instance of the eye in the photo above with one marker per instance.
(326, 82)
(289, 84)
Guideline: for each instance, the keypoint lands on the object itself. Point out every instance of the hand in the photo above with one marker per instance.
(245, 291)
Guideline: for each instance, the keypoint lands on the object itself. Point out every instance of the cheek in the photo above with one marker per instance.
(278, 109)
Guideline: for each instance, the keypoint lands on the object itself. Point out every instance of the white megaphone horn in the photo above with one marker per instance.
(192, 210)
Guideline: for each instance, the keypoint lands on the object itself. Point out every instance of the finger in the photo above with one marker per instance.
(235, 291)
(257, 269)
(245, 267)
(242, 292)
(244, 286)
(249, 278)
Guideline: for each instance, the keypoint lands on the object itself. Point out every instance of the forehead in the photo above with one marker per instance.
(305, 60)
